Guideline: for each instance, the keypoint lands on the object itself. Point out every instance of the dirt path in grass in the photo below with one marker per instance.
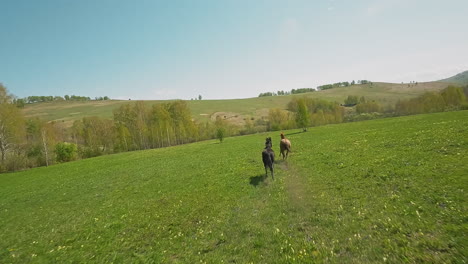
(302, 201)
(296, 187)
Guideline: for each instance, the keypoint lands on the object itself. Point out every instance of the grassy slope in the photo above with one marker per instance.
(459, 79)
(386, 93)
(390, 189)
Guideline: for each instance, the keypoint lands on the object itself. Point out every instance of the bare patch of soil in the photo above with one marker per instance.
(233, 118)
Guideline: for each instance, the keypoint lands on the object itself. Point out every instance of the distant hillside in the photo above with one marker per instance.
(461, 79)
(236, 110)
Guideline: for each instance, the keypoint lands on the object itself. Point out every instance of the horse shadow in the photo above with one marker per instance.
(294, 133)
(257, 180)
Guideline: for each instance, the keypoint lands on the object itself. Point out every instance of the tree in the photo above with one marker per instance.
(135, 118)
(20, 103)
(220, 128)
(34, 140)
(12, 125)
(48, 138)
(199, 97)
(453, 96)
(220, 133)
(302, 115)
(12, 128)
(318, 118)
(161, 126)
(185, 129)
(278, 119)
(5, 97)
(98, 135)
(266, 94)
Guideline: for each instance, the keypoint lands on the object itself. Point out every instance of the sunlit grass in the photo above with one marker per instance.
(389, 190)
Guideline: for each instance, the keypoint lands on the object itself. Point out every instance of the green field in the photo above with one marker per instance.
(237, 109)
(389, 190)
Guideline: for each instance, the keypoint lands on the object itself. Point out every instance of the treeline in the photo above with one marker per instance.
(38, 99)
(278, 93)
(27, 143)
(293, 91)
(308, 112)
(302, 90)
(450, 99)
(20, 102)
(137, 127)
(319, 88)
(341, 84)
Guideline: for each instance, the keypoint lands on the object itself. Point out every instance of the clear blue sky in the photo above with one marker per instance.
(224, 48)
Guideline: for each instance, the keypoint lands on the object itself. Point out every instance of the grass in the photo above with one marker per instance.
(385, 93)
(389, 190)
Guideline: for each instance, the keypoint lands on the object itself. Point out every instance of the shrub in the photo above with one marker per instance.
(65, 152)
(220, 133)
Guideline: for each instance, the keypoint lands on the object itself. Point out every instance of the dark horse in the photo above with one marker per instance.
(268, 157)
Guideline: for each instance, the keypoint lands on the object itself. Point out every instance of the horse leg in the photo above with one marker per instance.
(272, 174)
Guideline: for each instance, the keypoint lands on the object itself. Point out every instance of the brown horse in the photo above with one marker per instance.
(285, 146)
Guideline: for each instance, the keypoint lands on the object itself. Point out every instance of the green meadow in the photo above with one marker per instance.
(387, 94)
(389, 190)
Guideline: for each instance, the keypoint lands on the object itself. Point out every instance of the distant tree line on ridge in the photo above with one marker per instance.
(40, 99)
(293, 91)
(319, 88)
(342, 84)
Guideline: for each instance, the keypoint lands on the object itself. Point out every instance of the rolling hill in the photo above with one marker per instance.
(459, 79)
(237, 109)
(390, 190)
